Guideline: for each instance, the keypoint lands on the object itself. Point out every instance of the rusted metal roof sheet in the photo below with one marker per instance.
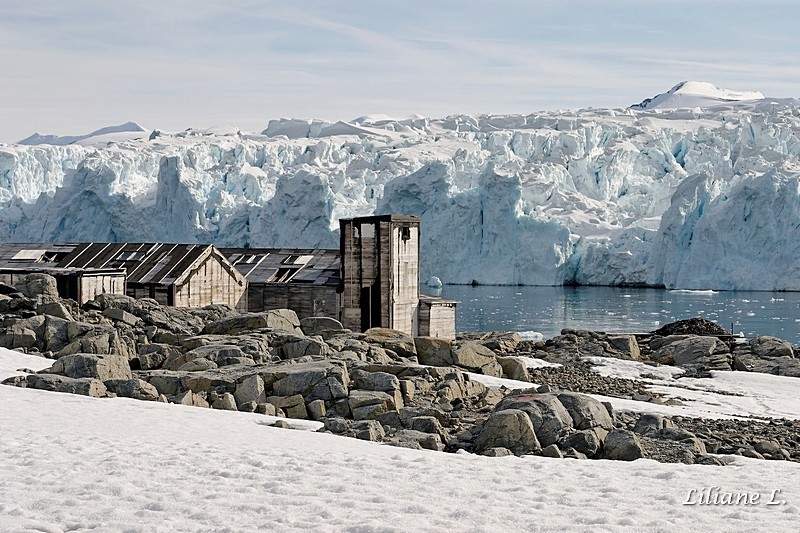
(38, 255)
(286, 265)
(145, 263)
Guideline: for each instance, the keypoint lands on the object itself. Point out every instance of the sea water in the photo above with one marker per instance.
(547, 310)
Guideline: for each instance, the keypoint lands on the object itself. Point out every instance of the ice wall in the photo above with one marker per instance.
(681, 198)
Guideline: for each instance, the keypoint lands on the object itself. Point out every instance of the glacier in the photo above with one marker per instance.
(655, 195)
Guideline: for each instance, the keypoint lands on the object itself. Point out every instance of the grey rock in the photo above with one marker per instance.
(267, 409)
(752, 454)
(625, 346)
(623, 445)
(54, 332)
(476, 358)
(56, 309)
(427, 424)
(510, 428)
(400, 343)
(40, 287)
(380, 381)
(649, 423)
(303, 348)
(167, 382)
(200, 364)
(226, 402)
(672, 433)
(314, 325)
(708, 352)
(433, 351)
(369, 430)
(771, 447)
(551, 420)
(770, 347)
(586, 441)
(84, 386)
(336, 425)
(250, 389)
(318, 380)
(316, 409)
(190, 398)
(503, 342)
(120, 315)
(133, 388)
(293, 406)
(84, 365)
(586, 412)
(552, 451)
(514, 368)
(281, 319)
(497, 452)
(408, 438)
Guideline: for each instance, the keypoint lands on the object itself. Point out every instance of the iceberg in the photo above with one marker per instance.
(699, 197)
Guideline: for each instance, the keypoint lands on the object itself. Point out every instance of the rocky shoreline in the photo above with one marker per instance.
(388, 387)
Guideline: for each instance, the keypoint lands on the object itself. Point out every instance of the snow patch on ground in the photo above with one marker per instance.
(71, 463)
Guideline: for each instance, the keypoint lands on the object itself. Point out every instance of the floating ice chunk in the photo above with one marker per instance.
(434, 282)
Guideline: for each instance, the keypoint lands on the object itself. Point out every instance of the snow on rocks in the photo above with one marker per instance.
(371, 386)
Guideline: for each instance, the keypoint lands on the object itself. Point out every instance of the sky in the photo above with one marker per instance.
(73, 463)
(73, 67)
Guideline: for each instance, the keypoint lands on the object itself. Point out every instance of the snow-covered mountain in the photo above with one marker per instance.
(123, 132)
(704, 197)
(690, 94)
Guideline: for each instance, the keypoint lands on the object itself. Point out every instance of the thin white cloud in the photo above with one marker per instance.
(70, 67)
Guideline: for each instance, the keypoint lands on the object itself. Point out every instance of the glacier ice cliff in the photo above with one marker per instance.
(685, 198)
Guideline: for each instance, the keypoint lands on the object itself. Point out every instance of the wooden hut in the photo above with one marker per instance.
(182, 275)
(81, 285)
(304, 280)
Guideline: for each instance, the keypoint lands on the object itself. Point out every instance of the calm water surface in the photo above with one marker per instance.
(548, 310)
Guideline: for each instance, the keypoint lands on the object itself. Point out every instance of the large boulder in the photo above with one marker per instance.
(26, 333)
(692, 351)
(417, 440)
(623, 445)
(40, 287)
(314, 325)
(514, 368)
(96, 339)
(400, 343)
(317, 380)
(56, 309)
(551, 420)
(624, 346)
(510, 428)
(433, 351)
(84, 386)
(302, 348)
(378, 381)
(132, 388)
(55, 333)
(84, 365)
(768, 347)
(281, 319)
(370, 405)
(586, 412)
(250, 389)
(476, 358)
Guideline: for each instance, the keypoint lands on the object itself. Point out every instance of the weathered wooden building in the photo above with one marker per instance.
(79, 284)
(380, 278)
(372, 280)
(182, 275)
(304, 280)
